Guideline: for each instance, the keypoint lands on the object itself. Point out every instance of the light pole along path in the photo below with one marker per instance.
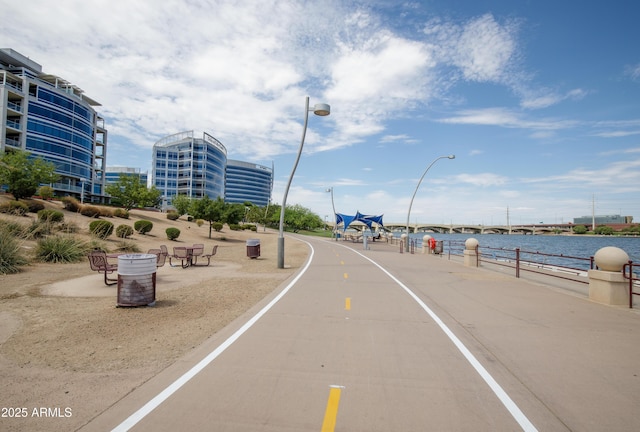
(406, 245)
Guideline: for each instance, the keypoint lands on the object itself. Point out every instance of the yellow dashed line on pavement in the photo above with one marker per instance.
(331, 413)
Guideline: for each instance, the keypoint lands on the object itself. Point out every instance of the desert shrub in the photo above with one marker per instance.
(11, 258)
(14, 207)
(60, 249)
(253, 228)
(124, 231)
(127, 246)
(67, 227)
(101, 228)
(604, 230)
(95, 244)
(16, 229)
(217, 226)
(143, 226)
(34, 206)
(38, 229)
(580, 229)
(50, 215)
(121, 213)
(172, 233)
(235, 227)
(199, 222)
(45, 192)
(106, 212)
(71, 204)
(90, 211)
(172, 215)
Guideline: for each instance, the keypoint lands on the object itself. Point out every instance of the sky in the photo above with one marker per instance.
(539, 101)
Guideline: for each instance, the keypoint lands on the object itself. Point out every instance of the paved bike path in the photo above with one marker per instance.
(350, 328)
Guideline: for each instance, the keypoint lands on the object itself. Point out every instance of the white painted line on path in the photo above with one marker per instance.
(167, 392)
(509, 404)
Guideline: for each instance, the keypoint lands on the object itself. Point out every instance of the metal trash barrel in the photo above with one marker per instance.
(253, 248)
(438, 249)
(137, 280)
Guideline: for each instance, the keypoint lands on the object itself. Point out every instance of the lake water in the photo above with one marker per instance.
(577, 246)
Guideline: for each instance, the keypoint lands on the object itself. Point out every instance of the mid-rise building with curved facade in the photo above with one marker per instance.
(53, 119)
(186, 164)
(248, 182)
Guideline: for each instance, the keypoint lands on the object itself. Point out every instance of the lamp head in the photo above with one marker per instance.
(451, 156)
(321, 109)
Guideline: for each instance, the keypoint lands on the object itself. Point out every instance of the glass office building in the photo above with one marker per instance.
(112, 174)
(53, 119)
(184, 164)
(248, 182)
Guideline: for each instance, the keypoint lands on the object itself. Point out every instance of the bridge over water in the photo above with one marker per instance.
(473, 229)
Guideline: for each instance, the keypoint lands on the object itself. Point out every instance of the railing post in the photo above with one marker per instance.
(517, 262)
(630, 264)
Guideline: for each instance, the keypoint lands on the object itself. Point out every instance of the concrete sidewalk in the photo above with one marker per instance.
(568, 364)
(579, 359)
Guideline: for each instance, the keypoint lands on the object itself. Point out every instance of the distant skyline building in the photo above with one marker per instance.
(112, 174)
(248, 182)
(603, 219)
(53, 119)
(185, 164)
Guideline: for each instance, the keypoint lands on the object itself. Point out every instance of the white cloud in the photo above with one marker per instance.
(505, 118)
(633, 71)
(481, 179)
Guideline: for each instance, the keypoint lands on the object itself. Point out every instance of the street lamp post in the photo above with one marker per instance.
(335, 225)
(320, 110)
(406, 246)
(82, 180)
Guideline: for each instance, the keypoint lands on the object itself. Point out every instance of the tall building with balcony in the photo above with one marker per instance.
(248, 182)
(184, 164)
(53, 119)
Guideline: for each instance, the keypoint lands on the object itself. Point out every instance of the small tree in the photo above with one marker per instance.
(23, 174)
(181, 203)
(298, 217)
(208, 210)
(234, 213)
(129, 192)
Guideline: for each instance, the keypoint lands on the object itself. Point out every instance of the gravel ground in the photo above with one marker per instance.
(66, 355)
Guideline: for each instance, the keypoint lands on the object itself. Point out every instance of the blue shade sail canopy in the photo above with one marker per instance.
(368, 220)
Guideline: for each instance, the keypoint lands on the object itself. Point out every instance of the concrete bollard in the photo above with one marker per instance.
(471, 253)
(607, 285)
(403, 239)
(425, 244)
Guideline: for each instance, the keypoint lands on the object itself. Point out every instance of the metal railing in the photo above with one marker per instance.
(560, 266)
(634, 280)
(555, 265)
